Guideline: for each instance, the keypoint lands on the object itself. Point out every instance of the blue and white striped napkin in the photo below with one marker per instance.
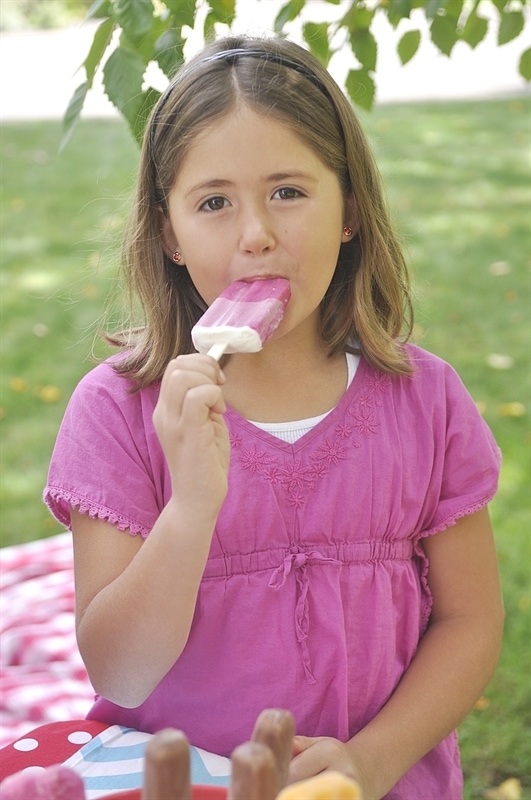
(114, 761)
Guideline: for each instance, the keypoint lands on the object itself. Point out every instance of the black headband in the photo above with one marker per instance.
(231, 56)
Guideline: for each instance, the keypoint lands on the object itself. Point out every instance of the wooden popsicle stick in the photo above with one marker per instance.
(254, 773)
(217, 350)
(275, 727)
(167, 767)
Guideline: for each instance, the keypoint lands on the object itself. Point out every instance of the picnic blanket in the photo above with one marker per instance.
(42, 676)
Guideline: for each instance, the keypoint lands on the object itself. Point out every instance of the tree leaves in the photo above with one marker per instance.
(134, 16)
(511, 24)
(443, 31)
(475, 29)
(288, 13)
(408, 46)
(361, 88)
(152, 30)
(123, 74)
(524, 66)
(316, 36)
(72, 113)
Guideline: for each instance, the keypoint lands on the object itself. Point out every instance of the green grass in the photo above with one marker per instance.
(458, 182)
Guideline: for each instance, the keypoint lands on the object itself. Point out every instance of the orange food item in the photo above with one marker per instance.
(326, 786)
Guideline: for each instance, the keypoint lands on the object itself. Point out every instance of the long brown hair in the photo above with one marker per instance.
(368, 302)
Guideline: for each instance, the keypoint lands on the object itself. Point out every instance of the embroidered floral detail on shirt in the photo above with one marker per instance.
(378, 383)
(235, 440)
(331, 452)
(344, 431)
(254, 459)
(296, 499)
(365, 423)
(297, 476)
(294, 475)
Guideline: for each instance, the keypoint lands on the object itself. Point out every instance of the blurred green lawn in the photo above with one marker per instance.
(458, 182)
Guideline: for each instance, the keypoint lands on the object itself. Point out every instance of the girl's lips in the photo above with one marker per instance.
(271, 277)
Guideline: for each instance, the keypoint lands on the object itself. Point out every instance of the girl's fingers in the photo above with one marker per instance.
(185, 374)
(200, 402)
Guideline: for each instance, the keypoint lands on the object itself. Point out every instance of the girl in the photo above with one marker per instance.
(306, 528)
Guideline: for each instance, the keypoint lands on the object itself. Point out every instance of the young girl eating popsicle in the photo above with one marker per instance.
(304, 526)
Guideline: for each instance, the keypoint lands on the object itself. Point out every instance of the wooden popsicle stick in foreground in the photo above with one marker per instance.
(167, 767)
(275, 727)
(254, 773)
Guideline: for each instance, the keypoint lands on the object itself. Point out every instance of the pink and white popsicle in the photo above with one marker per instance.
(242, 318)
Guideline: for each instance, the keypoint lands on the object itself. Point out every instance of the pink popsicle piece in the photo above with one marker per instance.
(53, 783)
(242, 318)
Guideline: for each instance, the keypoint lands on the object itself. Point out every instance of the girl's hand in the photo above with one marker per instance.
(312, 755)
(189, 422)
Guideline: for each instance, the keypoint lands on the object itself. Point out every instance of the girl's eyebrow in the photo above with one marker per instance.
(275, 177)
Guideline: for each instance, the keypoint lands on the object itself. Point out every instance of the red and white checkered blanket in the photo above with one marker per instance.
(42, 677)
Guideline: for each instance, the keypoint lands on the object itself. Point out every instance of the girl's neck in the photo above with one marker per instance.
(281, 384)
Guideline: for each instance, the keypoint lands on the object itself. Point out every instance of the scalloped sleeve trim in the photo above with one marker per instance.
(452, 518)
(59, 501)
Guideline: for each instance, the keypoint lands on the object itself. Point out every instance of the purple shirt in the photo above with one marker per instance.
(314, 595)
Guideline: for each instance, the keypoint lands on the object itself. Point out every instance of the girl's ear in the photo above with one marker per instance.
(167, 237)
(352, 219)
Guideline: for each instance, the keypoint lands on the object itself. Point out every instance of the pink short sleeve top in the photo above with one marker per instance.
(314, 595)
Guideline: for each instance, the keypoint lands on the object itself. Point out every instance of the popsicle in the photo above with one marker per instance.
(242, 318)
(53, 783)
(275, 728)
(254, 773)
(167, 767)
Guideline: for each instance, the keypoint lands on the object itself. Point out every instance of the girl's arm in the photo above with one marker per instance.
(454, 661)
(135, 599)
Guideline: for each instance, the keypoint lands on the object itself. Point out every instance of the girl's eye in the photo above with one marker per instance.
(288, 193)
(213, 204)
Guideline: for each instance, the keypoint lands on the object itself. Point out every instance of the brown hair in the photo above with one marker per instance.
(368, 301)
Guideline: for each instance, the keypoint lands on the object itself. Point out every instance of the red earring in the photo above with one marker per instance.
(176, 257)
(347, 230)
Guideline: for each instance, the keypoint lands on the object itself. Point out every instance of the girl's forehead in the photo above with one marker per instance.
(248, 131)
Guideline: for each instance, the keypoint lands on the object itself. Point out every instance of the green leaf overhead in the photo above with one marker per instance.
(288, 13)
(361, 88)
(316, 36)
(511, 25)
(168, 51)
(183, 12)
(524, 66)
(443, 32)
(73, 112)
(157, 30)
(475, 29)
(364, 47)
(123, 75)
(134, 16)
(408, 46)
(223, 10)
(102, 39)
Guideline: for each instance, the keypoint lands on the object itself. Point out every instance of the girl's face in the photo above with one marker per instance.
(252, 201)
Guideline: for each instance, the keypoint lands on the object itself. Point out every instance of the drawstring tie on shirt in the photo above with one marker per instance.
(296, 562)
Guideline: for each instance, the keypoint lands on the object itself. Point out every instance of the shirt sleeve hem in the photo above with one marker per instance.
(59, 501)
(452, 518)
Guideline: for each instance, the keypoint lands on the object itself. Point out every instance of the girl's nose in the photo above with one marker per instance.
(256, 234)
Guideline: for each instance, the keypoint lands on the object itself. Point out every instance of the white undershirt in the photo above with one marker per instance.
(291, 431)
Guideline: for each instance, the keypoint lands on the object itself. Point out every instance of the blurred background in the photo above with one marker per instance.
(452, 137)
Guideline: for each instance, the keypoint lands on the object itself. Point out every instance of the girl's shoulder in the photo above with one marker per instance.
(107, 380)
(433, 383)
(430, 371)
(103, 391)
